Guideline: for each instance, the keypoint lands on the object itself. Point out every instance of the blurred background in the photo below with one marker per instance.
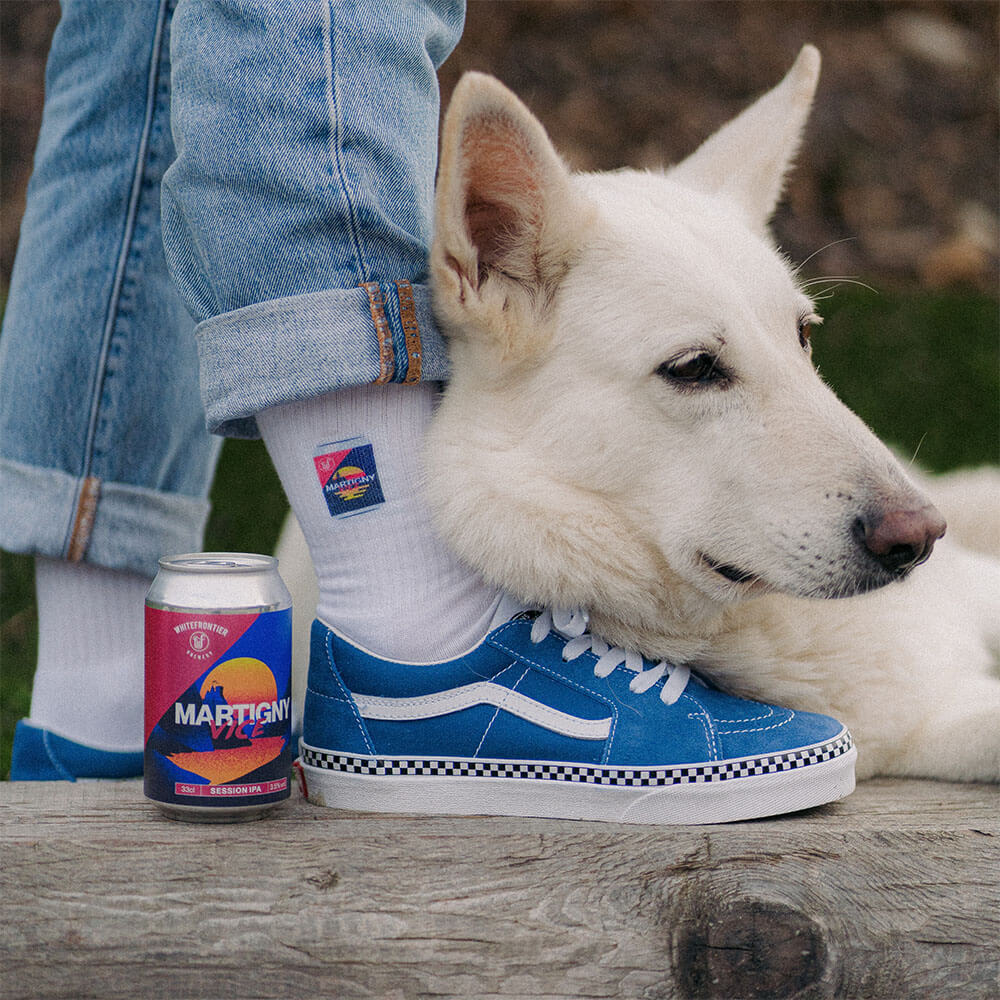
(896, 187)
(901, 154)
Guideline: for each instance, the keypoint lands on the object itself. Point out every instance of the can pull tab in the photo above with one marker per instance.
(215, 562)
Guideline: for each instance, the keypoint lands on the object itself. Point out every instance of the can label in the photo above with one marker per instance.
(218, 707)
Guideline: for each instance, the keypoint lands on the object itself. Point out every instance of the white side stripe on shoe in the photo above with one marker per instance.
(429, 706)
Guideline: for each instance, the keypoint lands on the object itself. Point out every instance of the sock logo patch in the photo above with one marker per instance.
(348, 476)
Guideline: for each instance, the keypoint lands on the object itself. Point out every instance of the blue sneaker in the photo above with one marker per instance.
(40, 755)
(544, 719)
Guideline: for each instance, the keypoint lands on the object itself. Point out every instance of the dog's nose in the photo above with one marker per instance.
(901, 539)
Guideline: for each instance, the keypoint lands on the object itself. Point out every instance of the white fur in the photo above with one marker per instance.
(568, 473)
(565, 469)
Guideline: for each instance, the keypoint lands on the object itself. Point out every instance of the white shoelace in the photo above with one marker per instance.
(572, 625)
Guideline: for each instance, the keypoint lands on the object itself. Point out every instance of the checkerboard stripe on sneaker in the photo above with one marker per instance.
(544, 719)
(633, 777)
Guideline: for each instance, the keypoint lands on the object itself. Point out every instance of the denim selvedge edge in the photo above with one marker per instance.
(281, 359)
(104, 455)
(119, 525)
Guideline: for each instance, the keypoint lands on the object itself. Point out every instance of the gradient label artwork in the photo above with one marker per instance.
(218, 706)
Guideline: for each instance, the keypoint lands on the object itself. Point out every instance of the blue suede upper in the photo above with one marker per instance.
(704, 724)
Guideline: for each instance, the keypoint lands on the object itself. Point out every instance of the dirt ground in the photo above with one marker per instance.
(899, 165)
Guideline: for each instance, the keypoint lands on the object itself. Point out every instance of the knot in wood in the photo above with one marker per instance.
(749, 948)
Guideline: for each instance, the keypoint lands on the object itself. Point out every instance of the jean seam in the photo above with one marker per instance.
(83, 523)
(411, 331)
(386, 352)
(333, 104)
(78, 531)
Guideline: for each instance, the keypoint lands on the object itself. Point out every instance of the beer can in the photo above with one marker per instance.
(218, 687)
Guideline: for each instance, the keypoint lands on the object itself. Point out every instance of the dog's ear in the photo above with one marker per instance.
(504, 214)
(747, 159)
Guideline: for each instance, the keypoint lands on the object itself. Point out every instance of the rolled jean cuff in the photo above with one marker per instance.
(289, 349)
(115, 525)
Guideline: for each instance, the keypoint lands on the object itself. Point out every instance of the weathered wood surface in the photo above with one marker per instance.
(892, 893)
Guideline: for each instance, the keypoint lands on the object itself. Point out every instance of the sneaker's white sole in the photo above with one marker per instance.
(691, 801)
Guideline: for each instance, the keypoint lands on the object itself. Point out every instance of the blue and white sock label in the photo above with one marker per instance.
(348, 476)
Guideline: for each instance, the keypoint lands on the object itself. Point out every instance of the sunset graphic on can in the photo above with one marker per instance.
(218, 732)
(239, 700)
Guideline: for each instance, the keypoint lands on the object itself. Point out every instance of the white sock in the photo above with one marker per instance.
(88, 684)
(386, 580)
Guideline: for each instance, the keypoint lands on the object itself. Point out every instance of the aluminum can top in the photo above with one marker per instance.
(216, 562)
(218, 581)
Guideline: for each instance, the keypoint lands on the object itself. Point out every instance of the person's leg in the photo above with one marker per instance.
(86, 698)
(104, 460)
(352, 461)
(297, 222)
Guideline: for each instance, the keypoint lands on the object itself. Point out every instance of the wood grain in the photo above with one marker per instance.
(891, 893)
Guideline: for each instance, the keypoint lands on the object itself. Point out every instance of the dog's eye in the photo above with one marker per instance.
(806, 324)
(697, 367)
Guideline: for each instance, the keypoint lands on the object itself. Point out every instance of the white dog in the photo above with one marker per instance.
(634, 426)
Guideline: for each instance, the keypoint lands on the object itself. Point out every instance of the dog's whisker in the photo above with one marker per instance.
(832, 243)
(839, 279)
(913, 457)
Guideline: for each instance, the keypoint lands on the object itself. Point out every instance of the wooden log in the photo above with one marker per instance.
(891, 893)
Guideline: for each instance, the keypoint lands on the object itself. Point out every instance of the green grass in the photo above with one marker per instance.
(920, 368)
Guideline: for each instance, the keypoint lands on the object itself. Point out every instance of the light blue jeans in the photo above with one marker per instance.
(289, 147)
